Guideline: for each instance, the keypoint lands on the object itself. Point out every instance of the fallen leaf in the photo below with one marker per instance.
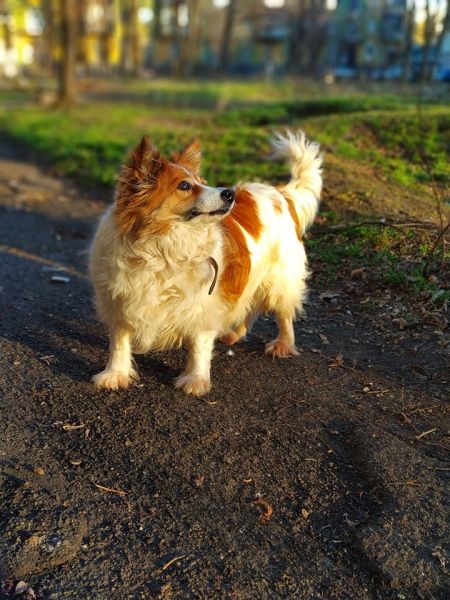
(266, 516)
(21, 587)
(329, 295)
(305, 513)
(357, 272)
(199, 480)
(402, 323)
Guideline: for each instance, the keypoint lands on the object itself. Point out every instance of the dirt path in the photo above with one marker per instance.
(346, 443)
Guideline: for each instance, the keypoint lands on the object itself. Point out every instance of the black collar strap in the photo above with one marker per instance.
(215, 266)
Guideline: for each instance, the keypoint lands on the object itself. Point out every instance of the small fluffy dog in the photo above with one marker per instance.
(176, 262)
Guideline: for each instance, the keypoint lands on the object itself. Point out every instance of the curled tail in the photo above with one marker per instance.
(306, 170)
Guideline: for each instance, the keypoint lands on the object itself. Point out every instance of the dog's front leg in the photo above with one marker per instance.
(119, 371)
(196, 377)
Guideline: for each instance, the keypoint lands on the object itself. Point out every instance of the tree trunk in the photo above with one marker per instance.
(67, 77)
(5, 28)
(425, 67)
(135, 48)
(81, 17)
(130, 51)
(406, 67)
(316, 37)
(189, 43)
(297, 38)
(445, 29)
(224, 55)
(156, 27)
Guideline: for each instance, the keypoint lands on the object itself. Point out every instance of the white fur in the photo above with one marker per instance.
(153, 293)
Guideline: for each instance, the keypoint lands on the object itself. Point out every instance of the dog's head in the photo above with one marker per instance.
(154, 192)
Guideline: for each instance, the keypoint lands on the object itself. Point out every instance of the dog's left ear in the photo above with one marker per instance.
(191, 157)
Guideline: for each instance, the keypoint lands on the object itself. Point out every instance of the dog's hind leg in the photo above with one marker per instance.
(234, 335)
(284, 345)
(119, 371)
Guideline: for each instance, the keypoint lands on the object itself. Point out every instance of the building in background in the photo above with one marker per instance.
(312, 38)
(368, 38)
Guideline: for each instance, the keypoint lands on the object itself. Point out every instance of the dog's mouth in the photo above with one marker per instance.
(193, 214)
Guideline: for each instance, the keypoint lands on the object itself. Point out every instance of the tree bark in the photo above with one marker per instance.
(429, 26)
(130, 51)
(67, 76)
(224, 55)
(445, 29)
(156, 27)
(406, 67)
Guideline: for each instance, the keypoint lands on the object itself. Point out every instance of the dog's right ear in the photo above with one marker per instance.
(145, 162)
(136, 186)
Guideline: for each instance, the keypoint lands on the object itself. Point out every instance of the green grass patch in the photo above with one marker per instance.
(91, 141)
(392, 257)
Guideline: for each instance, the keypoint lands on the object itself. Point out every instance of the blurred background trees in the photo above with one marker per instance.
(328, 39)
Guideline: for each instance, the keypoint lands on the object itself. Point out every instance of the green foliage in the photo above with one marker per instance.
(391, 257)
(91, 141)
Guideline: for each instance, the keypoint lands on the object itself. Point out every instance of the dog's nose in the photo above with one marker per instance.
(227, 195)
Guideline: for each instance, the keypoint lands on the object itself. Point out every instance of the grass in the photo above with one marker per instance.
(90, 141)
(391, 257)
(380, 133)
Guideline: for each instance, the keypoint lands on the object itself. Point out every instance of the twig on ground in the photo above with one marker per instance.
(424, 433)
(71, 427)
(177, 558)
(110, 490)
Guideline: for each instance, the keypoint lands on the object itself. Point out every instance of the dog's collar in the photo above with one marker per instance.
(213, 262)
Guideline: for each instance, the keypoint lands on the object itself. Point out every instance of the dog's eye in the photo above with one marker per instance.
(185, 186)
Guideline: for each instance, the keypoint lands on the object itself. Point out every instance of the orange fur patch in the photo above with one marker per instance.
(236, 259)
(245, 212)
(294, 215)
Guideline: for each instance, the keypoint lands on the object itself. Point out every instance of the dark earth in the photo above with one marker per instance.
(322, 476)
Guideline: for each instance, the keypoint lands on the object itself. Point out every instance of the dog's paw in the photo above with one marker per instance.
(193, 384)
(280, 349)
(230, 338)
(113, 380)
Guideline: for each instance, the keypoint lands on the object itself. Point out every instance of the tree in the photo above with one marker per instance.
(440, 41)
(130, 51)
(409, 37)
(429, 37)
(189, 42)
(308, 38)
(224, 53)
(4, 26)
(67, 77)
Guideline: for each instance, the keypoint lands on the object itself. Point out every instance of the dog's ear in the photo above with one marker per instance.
(137, 184)
(191, 157)
(145, 162)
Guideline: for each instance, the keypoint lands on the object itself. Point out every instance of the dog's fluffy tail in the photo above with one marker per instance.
(306, 170)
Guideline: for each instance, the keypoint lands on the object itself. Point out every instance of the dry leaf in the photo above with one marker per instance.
(357, 272)
(402, 323)
(305, 513)
(329, 295)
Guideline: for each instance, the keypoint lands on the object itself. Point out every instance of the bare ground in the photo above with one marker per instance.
(323, 476)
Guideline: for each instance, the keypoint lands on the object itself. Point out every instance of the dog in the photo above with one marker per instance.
(175, 262)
